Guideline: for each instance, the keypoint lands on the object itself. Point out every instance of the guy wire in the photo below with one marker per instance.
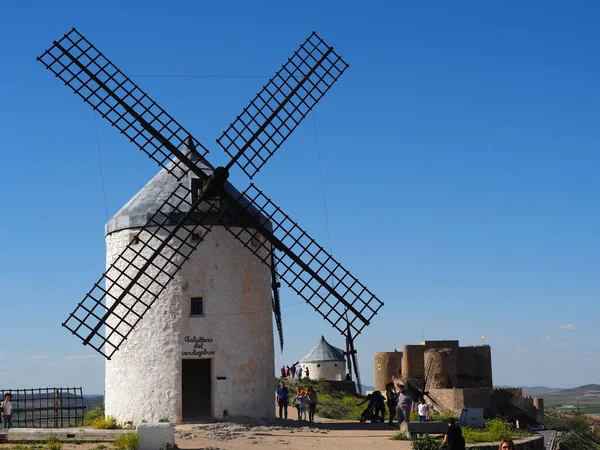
(322, 186)
(100, 165)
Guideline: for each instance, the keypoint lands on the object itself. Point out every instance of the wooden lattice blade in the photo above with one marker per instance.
(305, 265)
(124, 293)
(276, 111)
(94, 78)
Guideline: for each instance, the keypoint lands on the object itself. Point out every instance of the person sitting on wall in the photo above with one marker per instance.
(453, 439)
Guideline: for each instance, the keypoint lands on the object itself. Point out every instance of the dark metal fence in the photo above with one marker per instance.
(46, 407)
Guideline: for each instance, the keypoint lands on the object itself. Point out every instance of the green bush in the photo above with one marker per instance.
(127, 441)
(105, 423)
(426, 443)
(339, 405)
(97, 412)
(574, 422)
(577, 441)
(400, 437)
(53, 443)
(495, 429)
(441, 417)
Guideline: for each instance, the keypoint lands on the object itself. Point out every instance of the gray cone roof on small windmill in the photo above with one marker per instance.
(324, 352)
(139, 209)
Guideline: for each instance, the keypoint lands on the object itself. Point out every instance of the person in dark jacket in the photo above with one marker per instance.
(312, 403)
(390, 395)
(453, 439)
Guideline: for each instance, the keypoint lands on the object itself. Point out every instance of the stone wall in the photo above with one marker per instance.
(475, 366)
(441, 368)
(457, 399)
(413, 361)
(387, 365)
(538, 404)
(144, 378)
(440, 344)
(510, 401)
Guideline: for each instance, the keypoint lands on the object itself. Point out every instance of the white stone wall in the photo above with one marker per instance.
(143, 380)
(327, 370)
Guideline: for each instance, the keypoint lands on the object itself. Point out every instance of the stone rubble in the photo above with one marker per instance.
(225, 431)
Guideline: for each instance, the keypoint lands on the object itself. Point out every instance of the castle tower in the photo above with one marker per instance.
(441, 364)
(387, 365)
(325, 361)
(205, 347)
(538, 403)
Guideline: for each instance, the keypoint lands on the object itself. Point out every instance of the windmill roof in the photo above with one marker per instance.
(323, 352)
(139, 209)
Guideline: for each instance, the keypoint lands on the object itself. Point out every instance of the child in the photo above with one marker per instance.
(296, 401)
(302, 400)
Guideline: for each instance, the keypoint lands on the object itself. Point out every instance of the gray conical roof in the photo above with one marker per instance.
(140, 208)
(323, 352)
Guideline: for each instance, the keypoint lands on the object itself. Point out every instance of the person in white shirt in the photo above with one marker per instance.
(423, 410)
(7, 411)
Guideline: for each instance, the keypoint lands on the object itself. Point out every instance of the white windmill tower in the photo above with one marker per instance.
(176, 250)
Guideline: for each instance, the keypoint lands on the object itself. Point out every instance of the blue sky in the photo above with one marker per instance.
(459, 156)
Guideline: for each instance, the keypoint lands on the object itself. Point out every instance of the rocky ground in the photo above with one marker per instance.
(287, 434)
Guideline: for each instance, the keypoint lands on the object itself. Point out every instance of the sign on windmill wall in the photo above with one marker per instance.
(198, 346)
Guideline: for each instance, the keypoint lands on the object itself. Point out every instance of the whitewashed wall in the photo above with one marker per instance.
(328, 370)
(143, 380)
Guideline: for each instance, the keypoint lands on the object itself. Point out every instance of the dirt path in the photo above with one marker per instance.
(290, 435)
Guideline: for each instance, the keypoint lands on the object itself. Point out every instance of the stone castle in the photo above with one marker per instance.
(456, 377)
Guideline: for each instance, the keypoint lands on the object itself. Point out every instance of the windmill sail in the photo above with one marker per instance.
(281, 105)
(306, 267)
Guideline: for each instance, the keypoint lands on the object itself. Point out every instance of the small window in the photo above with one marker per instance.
(134, 239)
(318, 365)
(335, 365)
(197, 307)
(196, 236)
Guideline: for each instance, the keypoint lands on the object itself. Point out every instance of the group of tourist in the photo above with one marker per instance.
(400, 405)
(294, 372)
(6, 411)
(301, 400)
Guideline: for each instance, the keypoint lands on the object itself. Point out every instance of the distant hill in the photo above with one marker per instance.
(533, 391)
(587, 389)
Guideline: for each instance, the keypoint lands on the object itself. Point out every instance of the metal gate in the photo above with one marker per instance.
(46, 407)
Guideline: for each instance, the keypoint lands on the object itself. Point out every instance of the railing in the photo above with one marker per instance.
(46, 407)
